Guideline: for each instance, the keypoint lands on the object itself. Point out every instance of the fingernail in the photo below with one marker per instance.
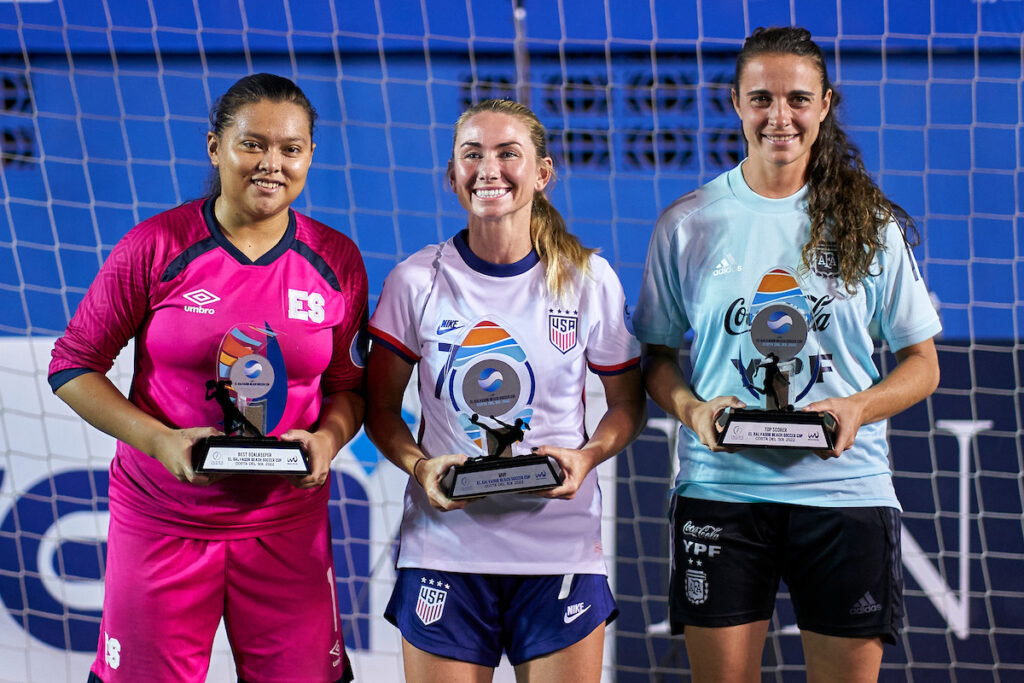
(535, 449)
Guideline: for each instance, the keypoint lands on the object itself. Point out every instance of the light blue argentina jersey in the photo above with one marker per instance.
(717, 257)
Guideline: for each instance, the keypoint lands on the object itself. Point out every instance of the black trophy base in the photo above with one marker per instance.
(486, 476)
(751, 428)
(249, 455)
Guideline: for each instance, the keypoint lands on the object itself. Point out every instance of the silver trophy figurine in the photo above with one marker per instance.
(244, 449)
(501, 471)
(778, 332)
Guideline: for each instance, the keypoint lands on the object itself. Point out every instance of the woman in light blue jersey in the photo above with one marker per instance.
(791, 265)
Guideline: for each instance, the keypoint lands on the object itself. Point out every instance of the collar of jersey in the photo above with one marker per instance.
(222, 240)
(794, 202)
(488, 268)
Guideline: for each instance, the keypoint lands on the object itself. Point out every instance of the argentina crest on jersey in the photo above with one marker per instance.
(430, 604)
(562, 328)
(825, 260)
(696, 586)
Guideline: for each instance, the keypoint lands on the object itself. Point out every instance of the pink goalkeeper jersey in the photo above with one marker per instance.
(196, 307)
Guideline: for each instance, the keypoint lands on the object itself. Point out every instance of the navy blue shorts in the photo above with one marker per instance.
(842, 566)
(474, 617)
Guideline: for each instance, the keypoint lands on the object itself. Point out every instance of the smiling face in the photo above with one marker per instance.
(495, 170)
(262, 160)
(780, 102)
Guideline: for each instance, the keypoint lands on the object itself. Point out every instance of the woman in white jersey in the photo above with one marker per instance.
(799, 223)
(502, 321)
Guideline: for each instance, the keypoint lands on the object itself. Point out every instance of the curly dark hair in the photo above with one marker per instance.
(842, 197)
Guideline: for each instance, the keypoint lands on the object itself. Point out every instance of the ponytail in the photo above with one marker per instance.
(559, 250)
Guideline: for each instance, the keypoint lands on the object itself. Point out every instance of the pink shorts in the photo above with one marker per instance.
(164, 598)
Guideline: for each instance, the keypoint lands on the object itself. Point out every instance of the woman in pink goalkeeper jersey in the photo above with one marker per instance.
(236, 287)
(502, 321)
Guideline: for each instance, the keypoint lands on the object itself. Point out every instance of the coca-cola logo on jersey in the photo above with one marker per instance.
(706, 532)
(738, 318)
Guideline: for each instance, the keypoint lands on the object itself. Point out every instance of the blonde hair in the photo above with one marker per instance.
(559, 250)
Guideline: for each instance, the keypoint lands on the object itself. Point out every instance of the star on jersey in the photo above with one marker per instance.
(438, 583)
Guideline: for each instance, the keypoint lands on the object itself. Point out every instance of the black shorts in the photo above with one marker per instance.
(842, 566)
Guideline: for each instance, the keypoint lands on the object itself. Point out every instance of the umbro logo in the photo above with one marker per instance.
(574, 612)
(866, 605)
(201, 298)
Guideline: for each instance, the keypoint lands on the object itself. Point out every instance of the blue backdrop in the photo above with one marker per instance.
(104, 122)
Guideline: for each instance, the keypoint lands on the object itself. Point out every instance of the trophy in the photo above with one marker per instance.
(501, 471)
(778, 332)
(244, 449)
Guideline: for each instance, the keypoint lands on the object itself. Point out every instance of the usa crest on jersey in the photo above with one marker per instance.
(430, 604)
(562, 328)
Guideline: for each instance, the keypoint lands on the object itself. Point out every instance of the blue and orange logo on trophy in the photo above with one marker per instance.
(250, 359)
(780, 321)
(488, 375)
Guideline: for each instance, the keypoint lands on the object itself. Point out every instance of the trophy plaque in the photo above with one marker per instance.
(778, 332)
(501, 471)
(244, 449)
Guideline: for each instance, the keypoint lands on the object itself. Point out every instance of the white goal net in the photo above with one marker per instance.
(103, 124)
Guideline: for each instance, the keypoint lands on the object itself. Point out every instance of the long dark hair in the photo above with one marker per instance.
(559, 250)
(250, 90)
(842, 198)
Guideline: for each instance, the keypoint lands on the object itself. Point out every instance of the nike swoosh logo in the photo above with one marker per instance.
(569, 619)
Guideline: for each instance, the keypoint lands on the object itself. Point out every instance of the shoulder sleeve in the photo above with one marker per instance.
(611, 348)
(904, 311)
(113, 309)
(660, 316)
(345, 372)
(395, 322)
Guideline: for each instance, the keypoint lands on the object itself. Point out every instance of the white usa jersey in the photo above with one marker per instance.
(490, 340)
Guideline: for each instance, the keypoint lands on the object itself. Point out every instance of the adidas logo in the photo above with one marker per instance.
(724, 267)
(866, 605)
